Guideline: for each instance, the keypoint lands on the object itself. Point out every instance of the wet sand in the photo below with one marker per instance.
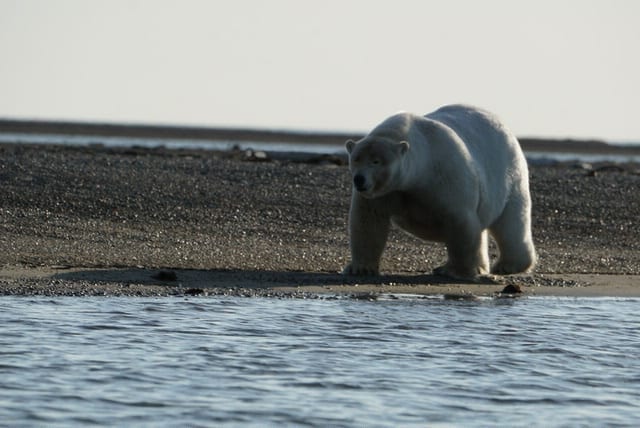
(143, 222)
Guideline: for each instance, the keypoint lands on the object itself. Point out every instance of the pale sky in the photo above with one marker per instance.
(554, 68)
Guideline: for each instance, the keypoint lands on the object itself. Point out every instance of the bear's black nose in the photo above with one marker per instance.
(358, 181)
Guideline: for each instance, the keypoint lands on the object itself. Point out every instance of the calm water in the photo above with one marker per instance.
(170, 143)
(241, 362)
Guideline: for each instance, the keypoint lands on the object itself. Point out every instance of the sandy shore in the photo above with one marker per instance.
(102, 221)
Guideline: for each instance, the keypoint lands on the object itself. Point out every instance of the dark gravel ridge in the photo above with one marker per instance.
(195, 209)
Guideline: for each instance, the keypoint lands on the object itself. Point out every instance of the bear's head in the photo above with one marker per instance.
(376, 165)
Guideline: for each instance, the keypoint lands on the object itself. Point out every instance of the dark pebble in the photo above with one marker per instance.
(512, 289)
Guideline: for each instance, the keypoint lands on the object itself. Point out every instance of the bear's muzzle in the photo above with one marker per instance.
(359, 182)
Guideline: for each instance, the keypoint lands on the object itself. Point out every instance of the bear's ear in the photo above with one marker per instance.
(403, 146)
(350, 144)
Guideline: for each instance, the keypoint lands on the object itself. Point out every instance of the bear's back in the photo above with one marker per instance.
(488, 141)
(480, 130)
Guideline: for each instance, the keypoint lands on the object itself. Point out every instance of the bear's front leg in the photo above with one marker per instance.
(369, 225)
(467, 249)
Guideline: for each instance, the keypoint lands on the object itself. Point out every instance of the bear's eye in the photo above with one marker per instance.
(375, 161)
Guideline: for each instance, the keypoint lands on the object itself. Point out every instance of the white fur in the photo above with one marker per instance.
(450, 176)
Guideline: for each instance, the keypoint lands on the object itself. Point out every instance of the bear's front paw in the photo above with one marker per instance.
(447, 272)
(360, 270)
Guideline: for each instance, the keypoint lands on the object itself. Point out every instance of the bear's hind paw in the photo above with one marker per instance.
(481, 278)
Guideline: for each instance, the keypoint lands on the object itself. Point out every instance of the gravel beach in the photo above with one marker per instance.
(132, 221)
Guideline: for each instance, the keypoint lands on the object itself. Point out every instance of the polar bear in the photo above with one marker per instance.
(450, 176)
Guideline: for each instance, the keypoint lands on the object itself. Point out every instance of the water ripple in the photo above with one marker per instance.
(227, 361)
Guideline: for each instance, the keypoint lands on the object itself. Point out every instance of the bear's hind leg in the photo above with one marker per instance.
(512, 233)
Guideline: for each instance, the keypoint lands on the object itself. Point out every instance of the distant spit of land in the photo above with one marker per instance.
(280, 136)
